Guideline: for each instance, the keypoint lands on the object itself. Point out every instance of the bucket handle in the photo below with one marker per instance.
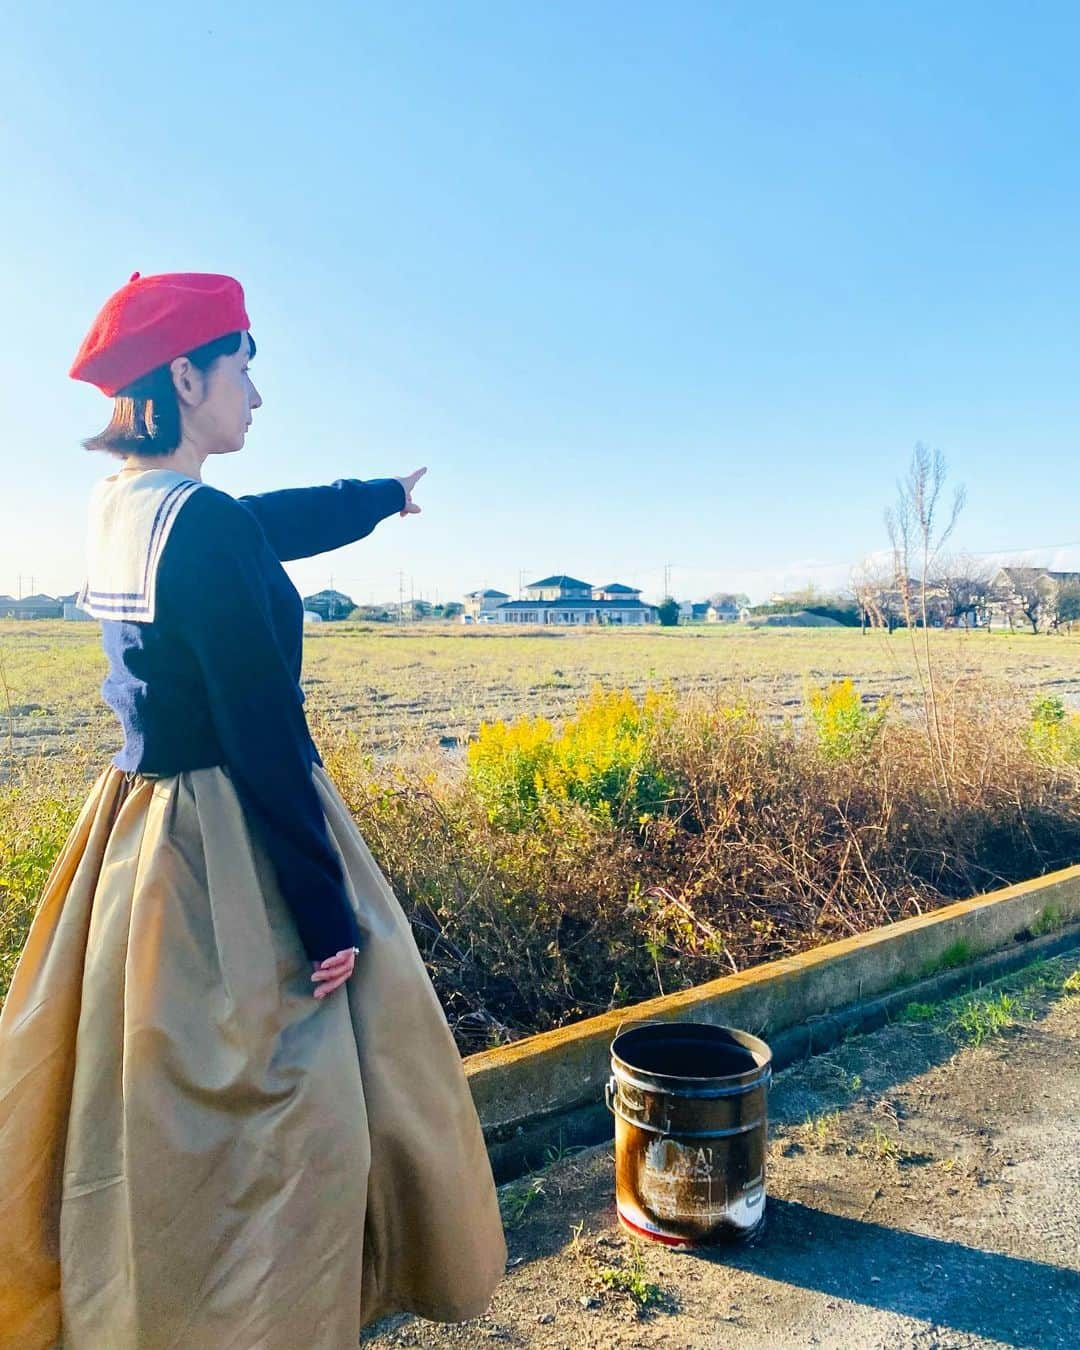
(611, 1088)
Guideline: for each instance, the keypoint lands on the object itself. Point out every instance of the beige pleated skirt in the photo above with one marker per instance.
(197, 1154)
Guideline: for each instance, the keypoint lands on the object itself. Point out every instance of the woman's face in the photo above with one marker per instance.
(219, 420)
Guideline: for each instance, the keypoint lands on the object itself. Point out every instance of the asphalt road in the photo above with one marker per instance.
(923, 1192)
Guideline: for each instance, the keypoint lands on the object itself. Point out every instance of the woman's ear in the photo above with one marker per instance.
(187, 381)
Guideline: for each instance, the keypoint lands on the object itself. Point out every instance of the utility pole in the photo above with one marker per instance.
(667, 580)
(412, 601)
(401, 597)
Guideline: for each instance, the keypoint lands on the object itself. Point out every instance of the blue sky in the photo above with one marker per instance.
(641, 284)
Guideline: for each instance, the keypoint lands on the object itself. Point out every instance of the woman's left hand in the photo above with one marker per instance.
(408, 483)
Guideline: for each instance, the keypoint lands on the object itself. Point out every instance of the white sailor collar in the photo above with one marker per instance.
(130, 518)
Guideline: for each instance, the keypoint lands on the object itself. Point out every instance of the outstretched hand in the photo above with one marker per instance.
(332, 973)
(408, 483)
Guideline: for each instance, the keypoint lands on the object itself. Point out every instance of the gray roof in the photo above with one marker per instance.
(489, 594)
(327, 595)
(561, 581)
(618, 588)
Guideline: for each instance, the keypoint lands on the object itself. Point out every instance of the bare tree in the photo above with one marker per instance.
(963, 587)
(919, 527)
(1067, 607)
(1027, 595)
(876, 597)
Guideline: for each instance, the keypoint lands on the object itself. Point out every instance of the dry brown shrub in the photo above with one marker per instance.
(769, 846)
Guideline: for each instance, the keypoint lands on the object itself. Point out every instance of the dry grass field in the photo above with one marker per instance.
(434, 685)
(756, 792)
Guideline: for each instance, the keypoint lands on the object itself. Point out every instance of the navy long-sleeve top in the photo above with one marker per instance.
(215, 678)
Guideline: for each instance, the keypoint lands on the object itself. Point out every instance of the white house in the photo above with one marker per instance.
(483, 603)
(568, 601)
(615, 592)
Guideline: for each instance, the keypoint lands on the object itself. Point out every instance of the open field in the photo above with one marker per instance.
(773, 791)
(434, 685)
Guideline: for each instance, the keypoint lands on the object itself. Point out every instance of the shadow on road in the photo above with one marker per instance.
(1021, 1303)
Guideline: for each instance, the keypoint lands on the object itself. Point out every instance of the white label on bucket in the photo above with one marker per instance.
(680, 1178)
(679, 1160)
(679, 1181)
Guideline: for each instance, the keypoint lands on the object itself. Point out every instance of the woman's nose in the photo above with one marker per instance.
(256, 398)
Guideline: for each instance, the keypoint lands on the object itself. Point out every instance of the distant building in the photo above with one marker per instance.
(329, 605)
(727, 610)
(483, 603)
(570, 601)
(1016, 580)
(559, 588)
(615, 592)
(1030, 595)
(33, 607)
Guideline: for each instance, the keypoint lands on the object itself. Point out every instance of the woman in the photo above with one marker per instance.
(231, 1111)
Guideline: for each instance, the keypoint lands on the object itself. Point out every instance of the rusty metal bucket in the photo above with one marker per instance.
(689, 1102)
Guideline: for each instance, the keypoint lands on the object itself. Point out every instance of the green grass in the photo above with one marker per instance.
(985, 1014)
(818, 1131)
(632, 1280)
(36, 813)
(518, 1199)
(881, 1146)
(1048, 920)
(978, 1018)
(958, 953)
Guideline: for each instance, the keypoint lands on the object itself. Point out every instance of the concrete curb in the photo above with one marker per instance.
(546, 1090)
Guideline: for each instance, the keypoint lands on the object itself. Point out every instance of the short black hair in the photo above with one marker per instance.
(146, 415)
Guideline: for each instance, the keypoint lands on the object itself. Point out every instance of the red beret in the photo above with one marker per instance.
(153, 320)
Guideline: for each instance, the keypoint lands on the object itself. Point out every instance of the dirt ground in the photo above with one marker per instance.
(924, 1192)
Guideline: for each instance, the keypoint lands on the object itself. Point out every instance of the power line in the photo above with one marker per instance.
(1031, 548)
